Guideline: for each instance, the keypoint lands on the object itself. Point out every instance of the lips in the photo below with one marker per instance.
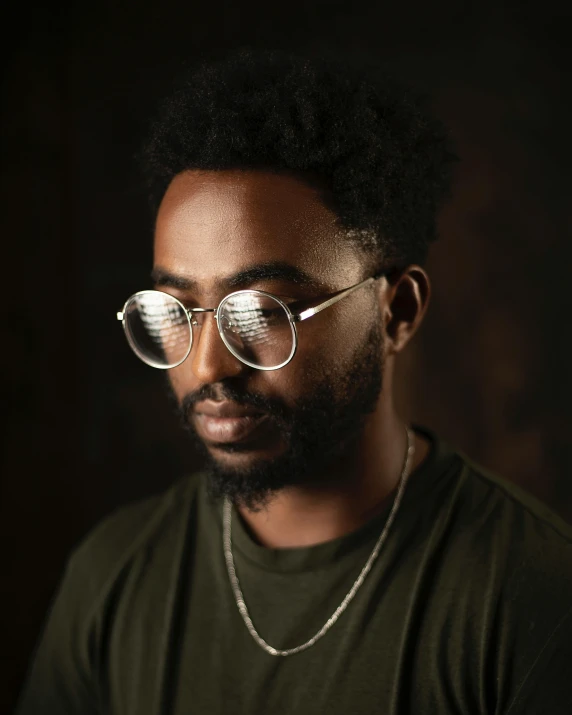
(225, 422)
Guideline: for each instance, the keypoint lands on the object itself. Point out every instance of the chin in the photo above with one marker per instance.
(250, 478)
(243, 455)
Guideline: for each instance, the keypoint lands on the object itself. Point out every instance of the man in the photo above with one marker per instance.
(330, 558)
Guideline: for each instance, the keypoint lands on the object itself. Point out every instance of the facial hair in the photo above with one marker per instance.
(317, 429)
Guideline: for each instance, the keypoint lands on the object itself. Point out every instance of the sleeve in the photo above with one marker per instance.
(547, 687)
(59, 680)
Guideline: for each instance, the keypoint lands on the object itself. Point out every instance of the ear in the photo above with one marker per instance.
(404, 304)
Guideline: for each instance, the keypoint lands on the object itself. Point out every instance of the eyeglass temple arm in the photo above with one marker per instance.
(326, 304)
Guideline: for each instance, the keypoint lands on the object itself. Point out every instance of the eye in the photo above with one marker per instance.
(188, 301)
(296, 305)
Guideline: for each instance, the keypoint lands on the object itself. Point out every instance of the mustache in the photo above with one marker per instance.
(225, 390)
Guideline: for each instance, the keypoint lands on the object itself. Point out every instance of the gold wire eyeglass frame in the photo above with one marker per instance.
(293, 317)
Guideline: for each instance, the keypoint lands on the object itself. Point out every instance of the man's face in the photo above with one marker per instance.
(214, 225)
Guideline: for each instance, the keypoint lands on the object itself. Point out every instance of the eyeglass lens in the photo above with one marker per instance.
(157, 328)
(255, 328)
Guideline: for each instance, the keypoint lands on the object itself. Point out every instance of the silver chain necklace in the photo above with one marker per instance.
(227, 546)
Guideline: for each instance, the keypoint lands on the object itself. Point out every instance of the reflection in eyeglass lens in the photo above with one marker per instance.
(159, 328)
(257, 328)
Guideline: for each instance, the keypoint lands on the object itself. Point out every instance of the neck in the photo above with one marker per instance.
(363, 484)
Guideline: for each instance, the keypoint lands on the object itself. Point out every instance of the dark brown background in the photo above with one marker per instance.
(87, 427)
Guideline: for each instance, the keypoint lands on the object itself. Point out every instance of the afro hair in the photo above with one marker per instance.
(383, 160)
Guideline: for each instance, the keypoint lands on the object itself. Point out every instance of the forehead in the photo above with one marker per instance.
(213, 224)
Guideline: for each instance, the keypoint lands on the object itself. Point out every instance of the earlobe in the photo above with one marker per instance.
(406, 303)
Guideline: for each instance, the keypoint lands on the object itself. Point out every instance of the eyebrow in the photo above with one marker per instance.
(273, 270)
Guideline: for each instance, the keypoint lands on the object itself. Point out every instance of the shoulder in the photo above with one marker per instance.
(502, 552)
(111, 561)
(512, 552)
(130, 532)
(502, 564)
(479, 513)
(500, 507)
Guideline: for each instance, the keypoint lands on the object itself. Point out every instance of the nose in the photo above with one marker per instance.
(211, 360)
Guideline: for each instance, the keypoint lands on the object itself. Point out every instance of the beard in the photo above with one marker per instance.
(317, 429)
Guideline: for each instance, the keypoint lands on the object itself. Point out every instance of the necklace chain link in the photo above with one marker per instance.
(239, 597)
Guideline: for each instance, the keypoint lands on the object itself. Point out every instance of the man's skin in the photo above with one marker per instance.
(213, 224)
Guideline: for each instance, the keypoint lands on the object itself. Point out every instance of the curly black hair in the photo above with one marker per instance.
(384, 162)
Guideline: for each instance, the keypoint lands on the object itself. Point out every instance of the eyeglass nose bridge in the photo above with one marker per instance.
(229, 325)
(193, 322)
(192, 311)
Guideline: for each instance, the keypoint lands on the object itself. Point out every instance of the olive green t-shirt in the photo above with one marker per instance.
(467, 609)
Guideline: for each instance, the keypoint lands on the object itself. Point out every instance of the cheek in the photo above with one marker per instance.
(181, 381)
(327, 344)
(332, 338)
(286, 384)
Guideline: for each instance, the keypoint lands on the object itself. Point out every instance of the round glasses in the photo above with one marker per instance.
(258, 328)
(255, 326)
